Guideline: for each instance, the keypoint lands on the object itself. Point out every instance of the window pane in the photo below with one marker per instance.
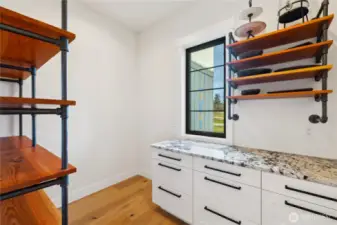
(207, 122)
(208, 57)
(207, 79)
(207, 100)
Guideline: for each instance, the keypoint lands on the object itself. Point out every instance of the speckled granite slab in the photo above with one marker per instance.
(318, 170)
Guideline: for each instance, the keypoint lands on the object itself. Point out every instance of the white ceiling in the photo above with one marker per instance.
(138, 14)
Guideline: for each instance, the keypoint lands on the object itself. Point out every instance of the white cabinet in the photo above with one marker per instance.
(174, 158)
(173, 201)
(233, 199)
(231, 172)
(282, 210)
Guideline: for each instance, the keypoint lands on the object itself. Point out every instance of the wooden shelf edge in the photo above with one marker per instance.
(262, 36)
(35, 101)
(34, 208)
(275, 75)
(21, 21)
(264, 56)
(302, 94)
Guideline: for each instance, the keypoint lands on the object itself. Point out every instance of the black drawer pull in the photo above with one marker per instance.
(225, 217)
(222, 171)
(169, 157)
(169, 192)
(169, 167)
(309, 193)
(224, 184)
(310, 210)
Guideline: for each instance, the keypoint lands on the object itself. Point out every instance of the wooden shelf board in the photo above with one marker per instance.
(281, 37)
(22, 102)
(18, 50)
(281, 76)
(31, 209)
(302, 94)
(294, 54)
(22, 165)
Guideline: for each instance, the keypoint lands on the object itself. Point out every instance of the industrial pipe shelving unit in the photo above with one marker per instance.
(26, 167)
(316, 28)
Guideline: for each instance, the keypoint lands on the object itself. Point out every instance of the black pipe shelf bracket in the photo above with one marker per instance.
(231, 86)
(62, 43)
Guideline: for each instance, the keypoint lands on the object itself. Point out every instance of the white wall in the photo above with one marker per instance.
(280, 125)
(102, 127)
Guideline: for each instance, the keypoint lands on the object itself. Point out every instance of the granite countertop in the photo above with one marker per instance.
(318, 170)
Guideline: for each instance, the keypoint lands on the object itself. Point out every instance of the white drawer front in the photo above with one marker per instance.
(174, 158)
(173, 176)
(239, 200)
(282, 210)
(234, 173)
(311, 192)
(178, 204)
(206, 213)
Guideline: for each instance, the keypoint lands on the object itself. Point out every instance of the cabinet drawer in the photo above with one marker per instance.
(205, 213)
(174, 176)
(282, 210)
(311, 192)
(234, 173)
(174, 158)
(174, 202)
(239, 200)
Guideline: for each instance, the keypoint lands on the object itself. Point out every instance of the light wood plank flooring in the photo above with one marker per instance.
(126, 203)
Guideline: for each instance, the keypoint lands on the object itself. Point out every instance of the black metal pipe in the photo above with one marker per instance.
(64, 109)
(33, 72)
(29, 111)
(30, 189)
(20, 116)
(9, 80)
(27, 33)
(6, 66)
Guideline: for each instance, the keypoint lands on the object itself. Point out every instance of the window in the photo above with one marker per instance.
(205, 89)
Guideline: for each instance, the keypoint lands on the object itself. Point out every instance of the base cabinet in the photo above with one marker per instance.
(282, 210)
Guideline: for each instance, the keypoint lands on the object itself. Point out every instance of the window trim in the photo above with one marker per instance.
(188, 52)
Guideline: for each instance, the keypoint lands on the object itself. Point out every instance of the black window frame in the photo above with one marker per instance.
(188, 111)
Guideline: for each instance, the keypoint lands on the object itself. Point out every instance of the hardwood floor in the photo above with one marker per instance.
(126, 203)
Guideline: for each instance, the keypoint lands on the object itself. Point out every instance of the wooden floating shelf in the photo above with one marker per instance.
(302, 94)
(18, 50)
(22, 165)
(23, 102)
(281, 76)
(294, 54)
(31, 209)
(281, 37)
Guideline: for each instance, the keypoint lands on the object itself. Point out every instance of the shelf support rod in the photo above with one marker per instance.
(29, 111)
(33, 72)
(64, 117)
(30, 189)
(9, 80)
(20, 116)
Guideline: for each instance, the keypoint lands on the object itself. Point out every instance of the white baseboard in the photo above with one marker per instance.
(146, 174)
(92, 188)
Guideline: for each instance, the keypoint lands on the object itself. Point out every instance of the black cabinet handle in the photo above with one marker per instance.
(310, 210)
(224, 184)
(169, 192)
(223, 171)
(169, 167)
(225, 217)
(169, 157)
(309, 193)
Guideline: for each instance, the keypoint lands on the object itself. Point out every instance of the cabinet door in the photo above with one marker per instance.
(282, 210)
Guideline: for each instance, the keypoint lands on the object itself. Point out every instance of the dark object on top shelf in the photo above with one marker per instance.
(294, 90)
(249, 54)
(295, 68)
(292, 11)
(301, 45)
(251, 92)
(250, 72)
